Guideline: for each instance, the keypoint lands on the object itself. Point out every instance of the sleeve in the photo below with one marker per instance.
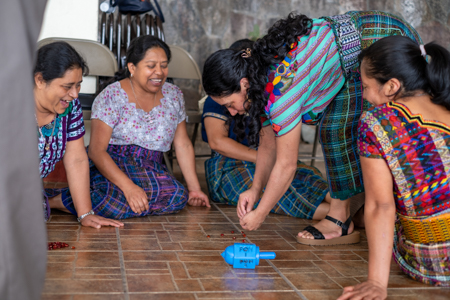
(368, 144)
(75, 128)
(105, 108)
(214, 109)
(181, 104)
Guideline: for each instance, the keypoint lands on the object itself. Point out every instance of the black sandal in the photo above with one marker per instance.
(319, 239)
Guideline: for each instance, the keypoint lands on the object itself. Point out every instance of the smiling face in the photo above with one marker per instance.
(151, 72)
(56, 95)
(235, 103)
(374, 92)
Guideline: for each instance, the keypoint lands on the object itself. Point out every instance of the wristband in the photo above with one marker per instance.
(91, 212)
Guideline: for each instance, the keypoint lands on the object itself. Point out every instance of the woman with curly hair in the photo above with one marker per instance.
(303, 71)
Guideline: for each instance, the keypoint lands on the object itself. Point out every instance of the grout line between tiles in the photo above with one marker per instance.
(298, 292)
(122, 266)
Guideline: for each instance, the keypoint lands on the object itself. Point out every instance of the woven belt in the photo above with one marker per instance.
(424, 231)
(348, 40)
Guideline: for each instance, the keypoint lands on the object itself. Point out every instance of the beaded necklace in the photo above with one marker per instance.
(47, 145)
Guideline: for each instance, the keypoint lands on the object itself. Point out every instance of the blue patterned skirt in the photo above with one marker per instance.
(145, 168)
(227, 178)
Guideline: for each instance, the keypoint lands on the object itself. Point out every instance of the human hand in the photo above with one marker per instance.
(246, 201)
(369, 290)
(137, 199)
(252, 220)
(97, 222)
(198, 198)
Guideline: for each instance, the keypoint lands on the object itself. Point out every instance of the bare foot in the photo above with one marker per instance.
(56, 203)
(339, 210)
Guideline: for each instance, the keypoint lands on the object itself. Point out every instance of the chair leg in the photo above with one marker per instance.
(167, 161)
(316, 141)
(194, 134)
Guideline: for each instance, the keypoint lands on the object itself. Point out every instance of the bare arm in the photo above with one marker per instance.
(265, 158)
(219, 141)
(76, 164)
(281, 176)
(186, 159)
(379, 216)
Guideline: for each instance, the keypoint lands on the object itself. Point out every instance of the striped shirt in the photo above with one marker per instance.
(301, 86)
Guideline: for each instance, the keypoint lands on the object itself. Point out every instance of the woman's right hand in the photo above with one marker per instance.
(246, 202)
(137, 199)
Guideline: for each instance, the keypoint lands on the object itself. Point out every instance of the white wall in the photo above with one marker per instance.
(76, 19)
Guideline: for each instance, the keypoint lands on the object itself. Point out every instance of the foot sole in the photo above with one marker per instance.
(352, 238)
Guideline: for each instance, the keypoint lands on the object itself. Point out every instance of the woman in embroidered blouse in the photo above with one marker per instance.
(134, 121)
(303, 70)
(57, 76)
(404, 144)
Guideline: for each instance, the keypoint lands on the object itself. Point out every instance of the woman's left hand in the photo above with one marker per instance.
(198, 198)
(252, 220)
(97, 222)
(369, 290)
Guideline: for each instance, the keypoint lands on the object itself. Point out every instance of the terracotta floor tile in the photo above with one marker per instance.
(97, 259)
(345, 281)
(163, 236)
(100, 231)
(146, 265)
(188, 285)
(404, 281)
(149, 256)
(294, 266)
(99, 297)
(139, 244)
(150, 283)
(53, 258)
(63, 219)
(171, 227)
(276, 296)
(190, 235)
(137, 232)
(62, 227)
(322, 295)
(207, 245)
(59, 270)
(95, 245)
(295, 255)
(56, 297)
(97, 273)
(272, 244)
(62, 236)
(432, 294)
(170, 246)
(337, 255)
(231, 284)
(225, 295)
(200, 256)
(145, 219)
(327, 269)
(141, 226)
(71, 286)
(312, 281)
(157, 219)
(350, 268)
(209, 269)
(178, 270)
(165, 296)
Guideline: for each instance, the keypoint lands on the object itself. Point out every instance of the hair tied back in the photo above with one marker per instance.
(246, 53)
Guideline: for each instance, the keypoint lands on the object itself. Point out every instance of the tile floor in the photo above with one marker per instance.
(171, 257)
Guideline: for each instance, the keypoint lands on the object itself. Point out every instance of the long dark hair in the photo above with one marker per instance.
(136, 52)
(400, 57)
(54, 59)
(224, 69)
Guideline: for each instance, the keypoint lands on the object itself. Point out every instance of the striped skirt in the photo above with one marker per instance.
(145, 168)
(339, 126)
(227, 178)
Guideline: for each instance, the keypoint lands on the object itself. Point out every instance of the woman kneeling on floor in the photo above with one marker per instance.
(404, 144)
(135, 120)
(57, 77)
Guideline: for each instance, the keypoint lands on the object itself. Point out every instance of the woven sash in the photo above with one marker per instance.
(424, 231)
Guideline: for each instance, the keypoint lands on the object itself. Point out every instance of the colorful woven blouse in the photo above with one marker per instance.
(69, 127)
(153, 130)
(417, 152)
(304, 83)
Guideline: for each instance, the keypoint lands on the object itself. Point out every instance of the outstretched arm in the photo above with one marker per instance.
(76, 164)
(379, 216)
(186, 159)
(280, 177)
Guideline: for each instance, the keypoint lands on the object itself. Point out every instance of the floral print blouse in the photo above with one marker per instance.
(153, 130)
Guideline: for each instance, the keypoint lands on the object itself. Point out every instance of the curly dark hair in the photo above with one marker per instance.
(224, 69)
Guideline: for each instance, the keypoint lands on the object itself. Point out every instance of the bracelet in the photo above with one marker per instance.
(91, 212)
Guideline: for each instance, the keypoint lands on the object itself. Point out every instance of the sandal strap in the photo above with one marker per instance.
(344, 226)
(315, 232)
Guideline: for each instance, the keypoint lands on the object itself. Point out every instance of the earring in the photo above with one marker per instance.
(131, 75)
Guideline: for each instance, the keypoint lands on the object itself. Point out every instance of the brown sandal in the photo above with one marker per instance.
(319, 239)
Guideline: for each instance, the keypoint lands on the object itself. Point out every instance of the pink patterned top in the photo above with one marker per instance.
(153, 130)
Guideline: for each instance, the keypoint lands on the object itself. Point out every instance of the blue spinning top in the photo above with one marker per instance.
(245, 256)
